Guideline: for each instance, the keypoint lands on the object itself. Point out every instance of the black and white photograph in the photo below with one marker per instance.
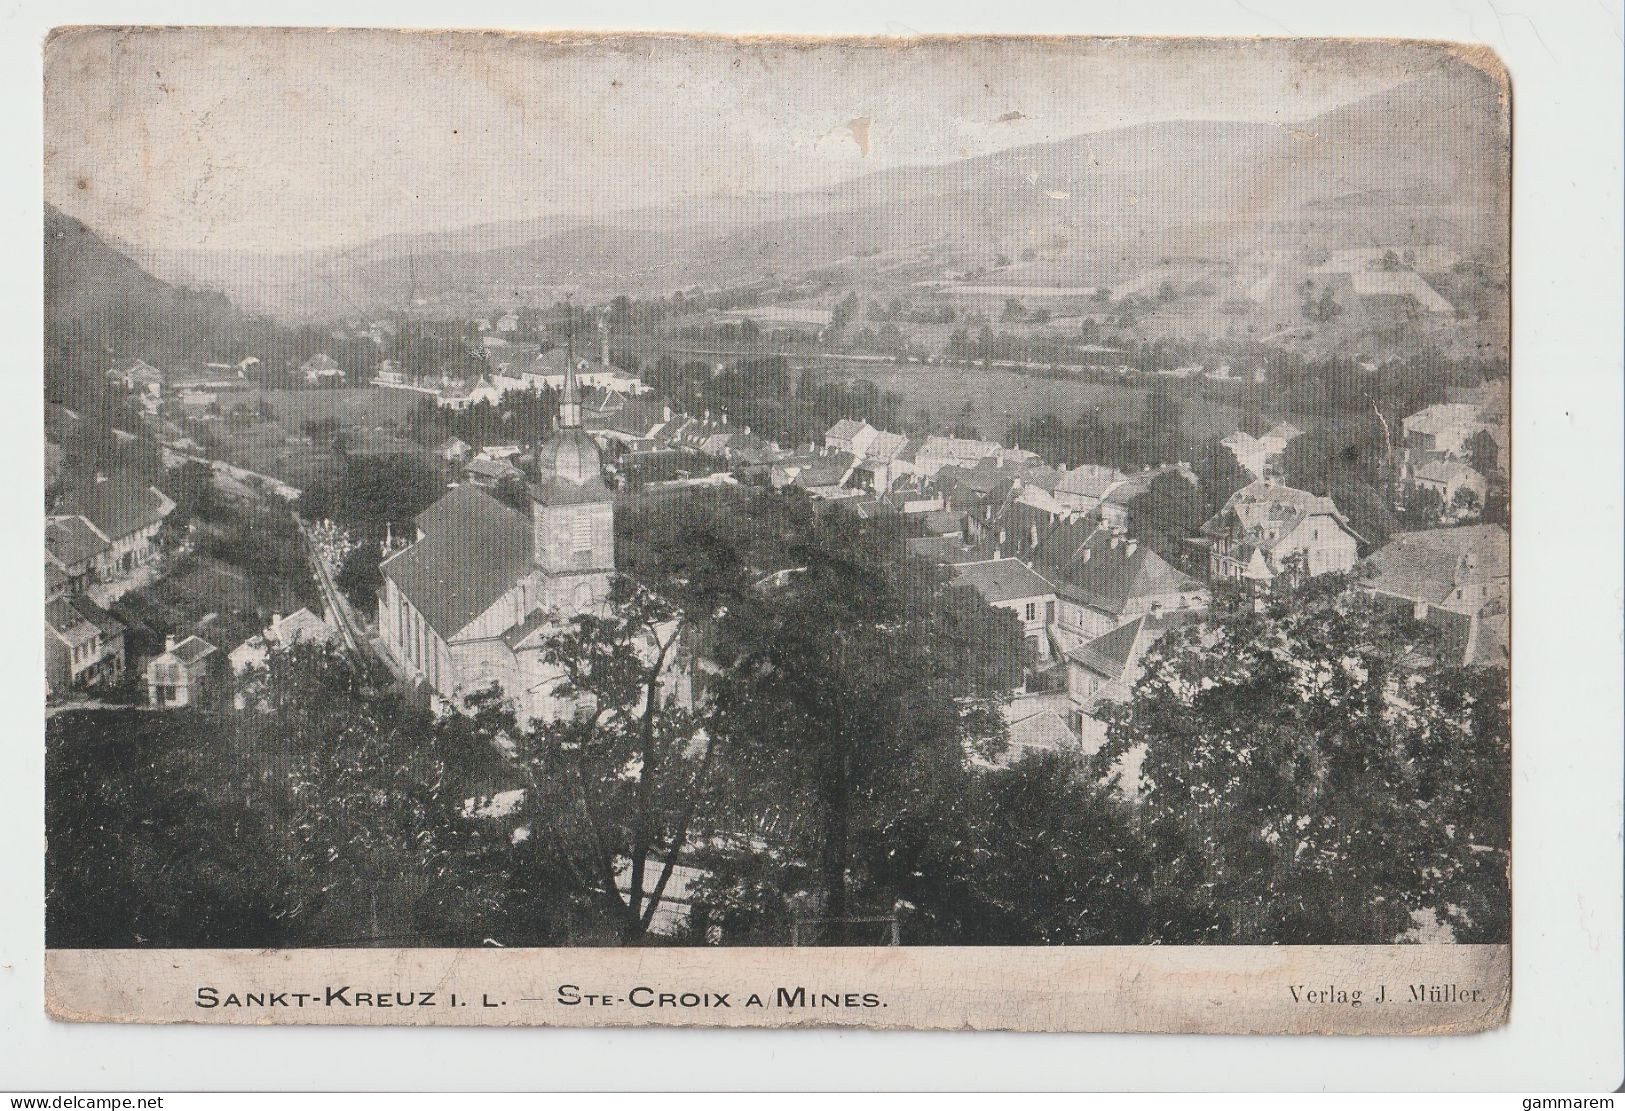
(534, 492)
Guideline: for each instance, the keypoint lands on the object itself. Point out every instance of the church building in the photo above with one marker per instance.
(469, 605)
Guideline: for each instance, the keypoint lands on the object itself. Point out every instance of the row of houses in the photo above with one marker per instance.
(1051, 546)
(543, 370)
(142, 378)
(104, 531)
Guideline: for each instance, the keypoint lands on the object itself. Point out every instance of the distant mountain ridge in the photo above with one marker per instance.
(1424, 162)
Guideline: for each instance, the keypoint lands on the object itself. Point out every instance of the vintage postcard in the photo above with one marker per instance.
(990, 533)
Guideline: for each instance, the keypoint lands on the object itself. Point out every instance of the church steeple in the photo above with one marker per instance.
(570, 400)
(569, 455)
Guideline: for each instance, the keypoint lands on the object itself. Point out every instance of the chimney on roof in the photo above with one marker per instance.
(724, 416)
(665, 412)
(169, 644)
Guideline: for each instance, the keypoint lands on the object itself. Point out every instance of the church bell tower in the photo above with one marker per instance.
(572, 510)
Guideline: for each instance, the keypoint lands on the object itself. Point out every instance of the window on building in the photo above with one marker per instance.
(1032, 610)
(1049, 613)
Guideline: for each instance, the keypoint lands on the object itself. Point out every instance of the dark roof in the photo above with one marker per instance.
(71, 540)
(1002, 580)
(1430, 564)
(491, 468)
(947, 549)
(109, 625)
(633, 416)
(68, 622)
(538, 619)
(448, 509)
(477, 550)
(825, 472)
(191, 650)
(870, 508)
(1090, 564)
(120, 505)
(985, 477)
(1109, 654)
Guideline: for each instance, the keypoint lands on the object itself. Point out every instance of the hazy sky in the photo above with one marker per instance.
(293, 139)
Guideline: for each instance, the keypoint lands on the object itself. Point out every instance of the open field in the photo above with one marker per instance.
(264, 446)
(367, 407)
(993, 398)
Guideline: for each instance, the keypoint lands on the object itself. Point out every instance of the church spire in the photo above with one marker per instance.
(570, 402)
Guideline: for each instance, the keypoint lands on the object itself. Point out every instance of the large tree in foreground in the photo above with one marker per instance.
(1314, 774)
(360, 785)
(617, 788)
(854, 685)
(614, 787)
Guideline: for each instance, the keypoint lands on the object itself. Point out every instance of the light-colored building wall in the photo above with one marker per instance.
(1326, 545)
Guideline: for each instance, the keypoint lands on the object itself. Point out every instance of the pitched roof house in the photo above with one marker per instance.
(180, 674)
(1107, 667)
(937, 452)
(1266, 523)
(1085, 486)
(1442, 430)
(1010, 584)
(1457, 579)
(453, 450)
(1448, 477)
(850, 435)
(489, 472)
(1103, 578)
(124, 516)
(84, 644)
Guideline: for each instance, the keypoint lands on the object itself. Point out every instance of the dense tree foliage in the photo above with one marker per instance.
(1313, 773)
(369, 492)
(848, 689)
(1348, 461)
